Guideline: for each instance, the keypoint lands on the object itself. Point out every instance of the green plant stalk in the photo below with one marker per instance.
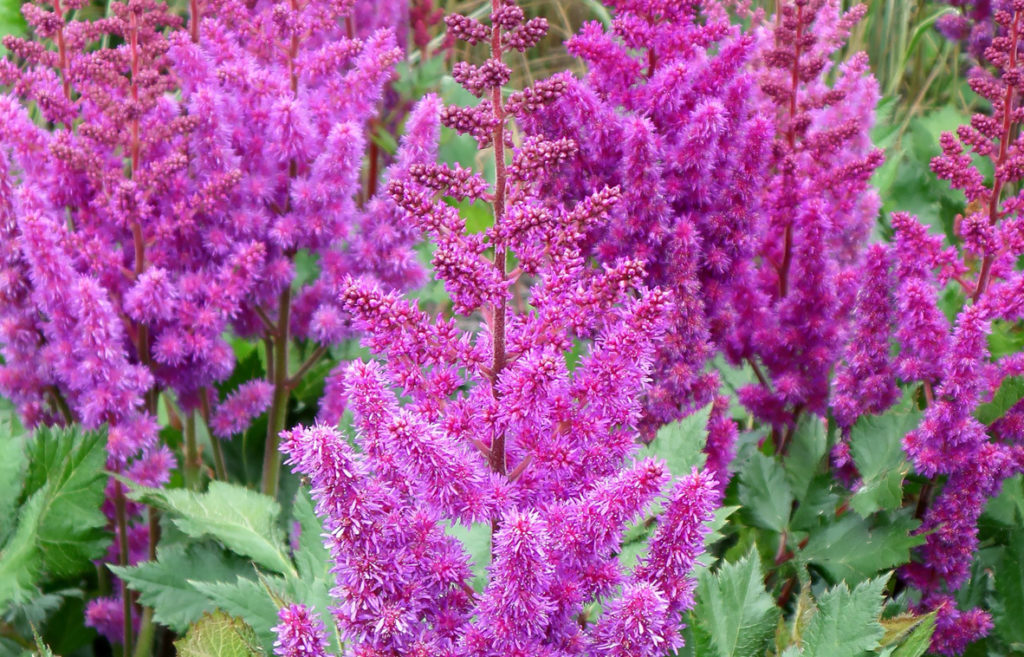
(121, 516)
(279, 404)
(192, 463)
(147, 633)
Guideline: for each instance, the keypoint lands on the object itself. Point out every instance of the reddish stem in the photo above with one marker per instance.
(499, 358)
(787, 238)
(193, 24)
(62, 50)
(985, 275)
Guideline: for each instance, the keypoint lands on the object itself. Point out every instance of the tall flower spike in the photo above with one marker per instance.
(520, 414)
(668, 116)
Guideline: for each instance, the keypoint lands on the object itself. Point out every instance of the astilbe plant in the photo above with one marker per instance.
(965, 459)
(458, 425)
(816, 213)
(141, 227)
(668, 112)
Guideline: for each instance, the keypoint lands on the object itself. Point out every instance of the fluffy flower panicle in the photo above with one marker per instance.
(518, 416)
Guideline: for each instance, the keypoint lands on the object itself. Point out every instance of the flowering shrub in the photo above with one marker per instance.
(629, 359)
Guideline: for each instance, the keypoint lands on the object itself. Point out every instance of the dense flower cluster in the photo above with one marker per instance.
(145, 227)
(174, 191)
(493, 426)
(954, 366)
(668, 112)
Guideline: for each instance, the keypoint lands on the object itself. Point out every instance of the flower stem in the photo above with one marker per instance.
(499, 357)
(192, 464)
(121, 518)
(279, 403)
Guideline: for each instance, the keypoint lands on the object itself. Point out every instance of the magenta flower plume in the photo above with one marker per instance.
(966, 459)
(668, 114)
(819, 209)
(488, 419)
(300, 633)
(865, 382)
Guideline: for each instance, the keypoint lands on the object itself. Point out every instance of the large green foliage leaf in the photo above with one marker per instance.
(851, 550)
(907, 635)
(245, 521)
(219, 635)
(13, 463)
(734, 609)
(1009, 613)
(845, 623)
(805, 454)
(60, 527)
(251, 600)
(765, 493)
(168, 583)
(876, 444)
(681, 443)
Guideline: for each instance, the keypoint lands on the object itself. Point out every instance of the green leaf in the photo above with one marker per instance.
(251, 601)
(167, 584)
(477, 542)
(13, 462)
(846, 622)
(735, 610)
(219, 635)
(876, 444)
(910, 634)
(60, 527)
(243, 520)
(1010, 392)
(11, 20)
(805, 453)
(1007, 508)
(682, 442)
(765, 493)
(312, 557)
(850, 550)
(313, 585)
(1010, 591)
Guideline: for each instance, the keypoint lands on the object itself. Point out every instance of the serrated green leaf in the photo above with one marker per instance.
(60, 527)
(219, 635)
(13, 463)
(311, 557)
(806, 451)
(1007, 508)
(313, 585)
(248, 599)
(876, 444)
(1009, 393)
(166, 584)
(911, 634)
(243, 520)
(681, 443)
(735, 610)
(851, 550)
(1010, 591)
(845, 623)
(765, 493)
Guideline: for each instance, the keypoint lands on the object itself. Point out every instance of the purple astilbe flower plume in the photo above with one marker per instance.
(480, 418)
(668, 113)
(954, 367)
(865, 382)
(972, 24)
(143, 227)
(818, 209)
(300, 633)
